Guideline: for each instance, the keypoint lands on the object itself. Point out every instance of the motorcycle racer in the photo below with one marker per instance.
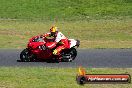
(52, 46)
(59, 38)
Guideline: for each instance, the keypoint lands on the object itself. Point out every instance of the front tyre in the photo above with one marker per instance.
(24, 56)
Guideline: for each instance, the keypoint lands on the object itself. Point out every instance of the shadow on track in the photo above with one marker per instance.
(47, 61)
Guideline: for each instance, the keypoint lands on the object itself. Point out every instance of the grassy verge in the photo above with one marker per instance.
(40, 77)
(65, 9)
(97, 23)
(92, 34)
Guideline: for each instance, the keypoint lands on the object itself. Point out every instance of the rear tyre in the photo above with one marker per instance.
(73, 53)
(69, 55)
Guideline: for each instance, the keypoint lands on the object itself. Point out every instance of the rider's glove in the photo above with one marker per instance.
(55, 52)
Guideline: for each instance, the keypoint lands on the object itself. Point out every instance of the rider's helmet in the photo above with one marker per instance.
(53, 30)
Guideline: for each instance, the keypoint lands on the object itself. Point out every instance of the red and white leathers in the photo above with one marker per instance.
(61, 39)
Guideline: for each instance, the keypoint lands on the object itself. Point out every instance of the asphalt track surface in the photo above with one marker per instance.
(97, 58)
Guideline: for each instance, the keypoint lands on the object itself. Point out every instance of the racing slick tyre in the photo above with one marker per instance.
(73, 53)
(25, 57)
(69, 55)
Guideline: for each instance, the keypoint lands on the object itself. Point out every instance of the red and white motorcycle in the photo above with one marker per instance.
(38, 49)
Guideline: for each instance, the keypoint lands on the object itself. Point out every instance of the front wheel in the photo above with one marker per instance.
(25, 56)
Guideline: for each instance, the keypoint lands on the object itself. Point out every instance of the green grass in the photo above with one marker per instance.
(40, 77)
(97, 23)
(92, 34)
(65, 9)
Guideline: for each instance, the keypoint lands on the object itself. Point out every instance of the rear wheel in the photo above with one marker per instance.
(73, 53)
(69, 55)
